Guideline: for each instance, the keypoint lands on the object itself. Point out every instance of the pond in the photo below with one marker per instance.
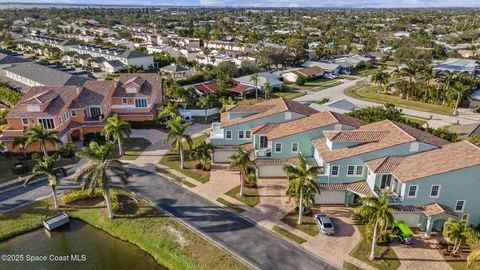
(75, 246)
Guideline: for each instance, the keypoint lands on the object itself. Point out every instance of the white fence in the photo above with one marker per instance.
(198, 112)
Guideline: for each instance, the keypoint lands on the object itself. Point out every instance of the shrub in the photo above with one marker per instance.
(68, 150)
(147, 124)
(300, 80)
(19, 168)
(83, 194)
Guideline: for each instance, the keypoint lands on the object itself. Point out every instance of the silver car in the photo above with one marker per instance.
(324, 224)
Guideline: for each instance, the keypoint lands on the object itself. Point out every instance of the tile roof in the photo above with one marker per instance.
(41, 98)
(313, 121)
(265, 109)
(451, 157)
(428, 209)
(148, 82)
(397, 134)
(355, 135)
(265, 128)
(64, 94)
(93, 93)
(384, 164)
(308, 71)
(359, 187)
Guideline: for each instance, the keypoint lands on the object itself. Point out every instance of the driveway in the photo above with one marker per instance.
(422, 255)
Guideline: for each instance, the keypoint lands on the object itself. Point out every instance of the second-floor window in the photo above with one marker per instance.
(355, 170)
(24, 121)
(278, 147)
(295, 147)
(47, 123)
(435, 191)
(124, 101)
(141, 103)
(263, 142)
(335, 170)
(248, 134)
(73, 113)
(241, 135)
(412, 191)
(460, 206)
(228, 134)
(66, 116)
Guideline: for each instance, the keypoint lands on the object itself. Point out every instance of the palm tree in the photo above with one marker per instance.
(46, 167)
(300, 178)
(458, 90)
(178, 137)
(21, 142)
(375, 210)
(202, 153)
(205, 102)
(381, 78)
(410, 70)
(242, 161)
(100, 169)
(115, 129)
(40, 134)
(171, 109)
(266, 90)
(456, 230)
(254, 78)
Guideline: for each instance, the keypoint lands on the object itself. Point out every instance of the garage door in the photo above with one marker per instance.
(412, 219)
(330, 197)
(222, 156)
(265, 171)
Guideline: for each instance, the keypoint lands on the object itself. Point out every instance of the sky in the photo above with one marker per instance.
(276, 3)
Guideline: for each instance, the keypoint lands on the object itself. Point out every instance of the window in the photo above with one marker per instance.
(386, 181)
(73, 113)
(412, 191)
(240, 134)
(435, 191)
(248, 134)
(460, 206)
(66, 116)
(359, 170)
(263, 142)
(278, 147)
(350, 170)
(414, 146)
(228, 134)
(59, 120)
(47, 123)
(141, 103)
(24, 121)
(465, 216)
(124, 101)
(295, 147)
(335, 170)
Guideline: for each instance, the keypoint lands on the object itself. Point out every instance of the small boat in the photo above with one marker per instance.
(56, 221)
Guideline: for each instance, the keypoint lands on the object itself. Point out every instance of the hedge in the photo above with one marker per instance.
(83, 194)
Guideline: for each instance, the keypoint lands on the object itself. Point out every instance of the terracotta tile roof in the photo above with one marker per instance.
(359, 187)
(355, 135)
(428, 209)
(41, 98)
(240, 88)
(313, 121)
(150, 85)
(245, 146)
(384, 164)
(208, 87)
(265, 128)
(393, 134)
(310, 71)
(279, 161)
(264, 109)
(451, 157)
(93, 93)
(63, 96)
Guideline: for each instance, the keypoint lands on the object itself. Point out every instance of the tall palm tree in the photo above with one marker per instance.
(171, 109)
(381, 78)
(40, 134)
(100, 169)
(115, 129)
(21, 142)
(458, 90)
(178, 137)
(267, 89)
(205, 102)
(300, 178)
(456, 230)
(410, 70)
(241, 160)
(375, 210)
(202, 153)
(46, 167)
(254, 78)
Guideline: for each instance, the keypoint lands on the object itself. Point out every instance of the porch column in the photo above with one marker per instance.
(428, 227)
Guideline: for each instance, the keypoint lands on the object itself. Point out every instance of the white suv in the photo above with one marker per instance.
(324, 224)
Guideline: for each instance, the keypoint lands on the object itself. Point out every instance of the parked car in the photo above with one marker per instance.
(329, 76)
(324, 224)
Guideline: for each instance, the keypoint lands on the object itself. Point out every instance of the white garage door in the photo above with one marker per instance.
(330, 197)
(412, 219)
(222, 156)
(265, 171)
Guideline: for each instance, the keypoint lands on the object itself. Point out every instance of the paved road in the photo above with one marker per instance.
(261, 248)
(337, 92)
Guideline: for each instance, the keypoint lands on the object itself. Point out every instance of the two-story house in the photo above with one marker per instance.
(278, 144)
(74, 111)
(234, 129)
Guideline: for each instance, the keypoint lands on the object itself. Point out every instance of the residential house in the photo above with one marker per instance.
(175, 70)
(263, 77)
(307, 73)
(332, 68)
(239, 90)
(468, 66)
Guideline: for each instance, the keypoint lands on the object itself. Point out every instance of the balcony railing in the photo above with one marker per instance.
(392, 197)
(93, 118)
(263, 152)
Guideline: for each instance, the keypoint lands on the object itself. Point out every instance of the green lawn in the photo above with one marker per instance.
(347, 77)
(370, 94)
(132, 148)
(364, 72)
(6, 163)
(250, 198)
(230, 205)
(459, 265)
(420, 121)
(173, 177)
(389, 260)
(349, 266)
(308, 226)
(168, 241)
(288, 235)
(172, 160)
(323, 87)
(320, 82)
